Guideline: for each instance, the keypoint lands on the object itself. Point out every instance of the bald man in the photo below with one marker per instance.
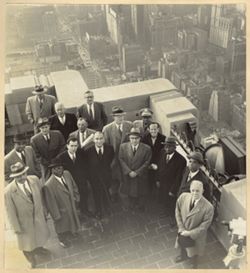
(194, 215)
(63, 122)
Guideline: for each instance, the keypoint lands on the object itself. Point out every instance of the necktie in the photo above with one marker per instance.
(64, 183)
(91, 112)
(41, 104)
(120, 129)
(100, 153)
(191, 205)
(74, 158)
(23, 157)
(167, 159)
(47, 138)
(27, 192)
(134, 151)
(189, 177)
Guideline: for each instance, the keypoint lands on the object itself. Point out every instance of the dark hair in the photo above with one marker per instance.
(154, 122)
(71, 139)
(81, 118)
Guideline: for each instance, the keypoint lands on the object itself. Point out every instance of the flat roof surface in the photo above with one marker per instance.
(176, 105)
(22, 82)
(70, 87)
(134, 89)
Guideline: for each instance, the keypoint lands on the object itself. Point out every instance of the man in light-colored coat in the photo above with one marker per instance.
(24, 154)
(115, 133)
(39, 106)
(26, 213)
(135, 159)
(194, 215)
(61, 195)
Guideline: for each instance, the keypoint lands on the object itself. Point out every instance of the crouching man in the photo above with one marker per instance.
(194, 215)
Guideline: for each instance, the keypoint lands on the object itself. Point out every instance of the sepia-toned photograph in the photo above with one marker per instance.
(125, 136)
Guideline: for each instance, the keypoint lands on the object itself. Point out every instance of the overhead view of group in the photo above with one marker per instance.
(72, 157)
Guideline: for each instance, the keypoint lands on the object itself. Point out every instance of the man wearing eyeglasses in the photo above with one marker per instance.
(93, 112)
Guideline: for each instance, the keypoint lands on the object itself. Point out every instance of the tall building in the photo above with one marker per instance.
(221, 26)
(237, 52)
(137, 19)
(162, 30)
(239, 118)
(204, 16)
(132, 56)
(219, 106)
(166, 67)
(50, 24)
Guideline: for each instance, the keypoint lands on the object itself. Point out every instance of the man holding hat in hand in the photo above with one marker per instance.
(115, 133)
(47, 145)
(194, 172)
(61, 195)
(26, 213)
(171, 165)
(135, 158)
(40, 105)
(23, 153)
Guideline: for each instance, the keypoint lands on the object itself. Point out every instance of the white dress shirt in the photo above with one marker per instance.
(27, 186)
(62, 119)
(72, 156)
(98, 149)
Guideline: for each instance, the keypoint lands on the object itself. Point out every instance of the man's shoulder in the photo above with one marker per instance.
(50, 97)
(109, 126)
(9, 155)
(73, 134)
(31, 98)
(11, 187)
(36, 137)
(180, 157)
(55, 133)
(90, 131)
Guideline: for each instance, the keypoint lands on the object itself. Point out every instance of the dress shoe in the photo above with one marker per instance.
(43, 251)
(65, 244)
(180, 258)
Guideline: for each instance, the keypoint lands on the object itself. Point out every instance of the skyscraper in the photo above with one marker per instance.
(137, 19)
(221, 27)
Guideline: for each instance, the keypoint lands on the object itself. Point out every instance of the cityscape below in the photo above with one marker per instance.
(186, 62)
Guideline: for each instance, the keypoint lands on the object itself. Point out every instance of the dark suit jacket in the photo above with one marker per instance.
(31, 161)
(44, 151)
(100, 117)
(170, 174)
(68, 127)
(99, 168)
(156, 148)
(77, 168)
(89, 136)
(185, 185)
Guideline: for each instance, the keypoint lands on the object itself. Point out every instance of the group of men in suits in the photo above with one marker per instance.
(70, 156)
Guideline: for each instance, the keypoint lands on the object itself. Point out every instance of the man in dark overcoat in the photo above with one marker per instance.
(193, 172)
(26, 212)
(47, 145)
(156, 141)
(75, 161)
(23, 153)
(170, 169)
(61, 195)
(99, 159)
(62, 121)
(135, 158)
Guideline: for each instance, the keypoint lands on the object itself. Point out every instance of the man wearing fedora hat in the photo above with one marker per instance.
(26, 213)
(47, 145)
(93, 112)
(40, 105)
(21, 152)
(61, 195)
(135, 158)
(194, 172)
(115, 133)
(171, 165)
